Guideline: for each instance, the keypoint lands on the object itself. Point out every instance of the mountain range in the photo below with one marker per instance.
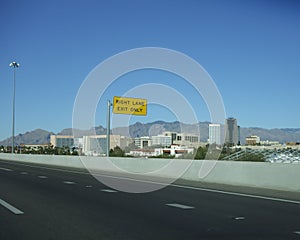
(40, 136)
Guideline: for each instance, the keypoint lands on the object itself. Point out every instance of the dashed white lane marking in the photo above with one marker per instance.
(11, 208)
(297, 232)
(109, 190)
(5, 169)
(68, 182)
(23, 173)
(42, 177)
(177, 205)
(163, 184)
(88, 186)
(239, 218)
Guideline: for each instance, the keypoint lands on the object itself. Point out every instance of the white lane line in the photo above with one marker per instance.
(237, 194)
(42, 177)
(68, 182)
(23, 173)
(297, 232)
(88, 186)
(5, 169)
(163, 184)
(10, 207)
(177, 205)
(109, 190)
(239, 218)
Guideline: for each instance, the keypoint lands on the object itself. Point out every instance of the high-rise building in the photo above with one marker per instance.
(231, 131)
(214, 131)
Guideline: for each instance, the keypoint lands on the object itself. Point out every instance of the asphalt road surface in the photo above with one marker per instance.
(39, 202)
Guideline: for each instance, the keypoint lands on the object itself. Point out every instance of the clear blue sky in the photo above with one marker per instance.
(250, 48)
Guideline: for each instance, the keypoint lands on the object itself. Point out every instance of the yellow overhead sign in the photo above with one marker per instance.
(133, 106)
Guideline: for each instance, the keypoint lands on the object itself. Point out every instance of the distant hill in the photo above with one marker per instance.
(37, 136)
(40, 136)
(79, 133)
(281, 135)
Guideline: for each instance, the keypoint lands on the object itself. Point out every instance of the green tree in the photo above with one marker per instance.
(252, 157)
(201, 152)
(116, 152)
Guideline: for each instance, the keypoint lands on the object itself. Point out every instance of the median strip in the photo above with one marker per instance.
(11, 208)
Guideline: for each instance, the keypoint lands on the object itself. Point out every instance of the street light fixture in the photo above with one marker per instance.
(14, 65)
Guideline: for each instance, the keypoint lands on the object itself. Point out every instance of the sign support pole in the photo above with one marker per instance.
(108, 129)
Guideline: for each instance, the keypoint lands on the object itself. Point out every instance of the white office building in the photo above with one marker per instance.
(96, 145)
(62, 141)
(187, 139)
(214, 131)
(161, 140)
(142, 142)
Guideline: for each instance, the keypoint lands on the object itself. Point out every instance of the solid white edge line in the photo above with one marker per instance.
(11, 208)
(237, 194)
(173, 185)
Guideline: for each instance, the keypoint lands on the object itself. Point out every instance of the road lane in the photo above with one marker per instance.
(56, 210)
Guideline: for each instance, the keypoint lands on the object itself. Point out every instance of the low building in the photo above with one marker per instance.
(61, 141)
(187, 139)
(184, 139)
(178, 151)
(34, 147)
(252, 140)
(96, 145)
(269, 143)
(145, 152)
(142, 142)
(161, 140)
(173, 150)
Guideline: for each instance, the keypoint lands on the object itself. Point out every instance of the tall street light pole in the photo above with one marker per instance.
(14, 65)
(108, 129)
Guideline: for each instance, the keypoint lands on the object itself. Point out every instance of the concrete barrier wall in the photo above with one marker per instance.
(278, 176)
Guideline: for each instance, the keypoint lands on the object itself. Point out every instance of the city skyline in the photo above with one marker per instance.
(282, 136)
(250, 50)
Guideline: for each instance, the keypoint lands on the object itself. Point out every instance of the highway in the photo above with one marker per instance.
(38, 202)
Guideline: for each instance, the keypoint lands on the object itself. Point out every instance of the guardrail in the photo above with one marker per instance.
(277, 176)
